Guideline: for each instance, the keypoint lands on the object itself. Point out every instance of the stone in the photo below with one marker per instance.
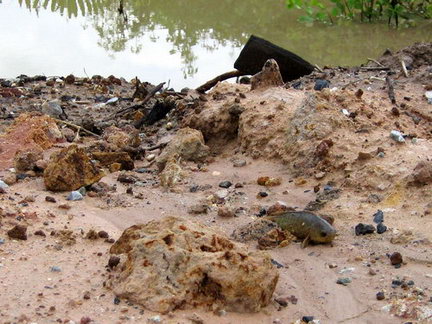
(113, 261)
(226, 212)
(363, 229)
(70, 169)
(381, 228)
(26, 160)
(344, 281)
(40, 233)
(106, 159)
(74, 196)
(3, 185)
(52, 109)
(272, 239)
(18, 232)
(198, 209)
(253, 231)
(9, 179)
(278, 208)
(269, 76)
(122, 138)
(378, 217)
(103, 234)
(55, 269)
(173, 263)
(396, 258)
(239, 163)
(188, 144)
(307, 319)
(225, 184)
(422, 173)
(321, 84)
(50, 199)
(380, 295)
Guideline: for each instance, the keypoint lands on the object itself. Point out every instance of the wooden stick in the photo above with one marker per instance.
(318, 68)
(390, 90)
(142, 103)
(210, 84)
(375, 61)
(404, 69)
(79, 128)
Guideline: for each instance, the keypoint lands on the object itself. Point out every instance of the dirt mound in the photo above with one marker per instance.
(414, 56)
(173, 263)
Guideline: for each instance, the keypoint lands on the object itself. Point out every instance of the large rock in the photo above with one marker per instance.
(106, 159)
(70, 169)
(173, 263)
(188, 144)
(26, 160)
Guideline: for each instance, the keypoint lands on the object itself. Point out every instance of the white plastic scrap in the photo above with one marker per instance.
(397, 136)
(428, 95)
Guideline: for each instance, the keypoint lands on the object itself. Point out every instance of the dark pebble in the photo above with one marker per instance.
(381, 228)
(124, 178)
(307, 319)
(103, 234)
(263, 194)
(143, 170)
(410, 283)
(378, 217)
(396, 258)
(18, 232)
(113, 261)
(129, 191)
(321, 84)
(277, 264)
(116, 301)
(380, 295)
(193, 188)
(396, 282)
(225, 184)
(50, 199)
(22, 176)
(363, 229)
(110, 240)
(238, 185)
(283, 301)
(40, 233)
(262, 212)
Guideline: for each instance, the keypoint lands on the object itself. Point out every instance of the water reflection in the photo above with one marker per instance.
(222, 23)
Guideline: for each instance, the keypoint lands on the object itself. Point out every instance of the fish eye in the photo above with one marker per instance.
(323, 234)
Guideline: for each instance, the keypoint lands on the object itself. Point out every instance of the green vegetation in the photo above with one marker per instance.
(364, 10)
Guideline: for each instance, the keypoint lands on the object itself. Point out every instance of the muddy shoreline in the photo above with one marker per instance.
(331, 150)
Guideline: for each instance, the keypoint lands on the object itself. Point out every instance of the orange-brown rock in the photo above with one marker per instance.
(70, 169)
(173, 263)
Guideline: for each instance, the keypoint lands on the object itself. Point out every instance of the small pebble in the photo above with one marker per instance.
(396, 258)
(55, 269)
(380, 295)
(262, 194)
(50, 199)
(343, 281)
(113, 261)
(381, 228)
(116, 300)
(225, 184)
(363, 229)
(239, 163)
(378, 217)
(103, 234)
(74, 195)
(307, 319)
(40, 233)
(3, 184)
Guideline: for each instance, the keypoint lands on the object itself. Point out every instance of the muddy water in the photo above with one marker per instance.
(185, 42)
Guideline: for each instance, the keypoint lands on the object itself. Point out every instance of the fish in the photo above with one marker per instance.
(305, 226)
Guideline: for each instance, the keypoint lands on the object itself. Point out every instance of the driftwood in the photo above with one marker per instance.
(375, 61)
(390, 90)
(210, 84)
(78, 128)
(142, 103)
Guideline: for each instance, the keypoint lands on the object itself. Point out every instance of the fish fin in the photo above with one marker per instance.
(305, 242)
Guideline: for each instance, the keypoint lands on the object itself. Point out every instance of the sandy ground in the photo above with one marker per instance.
(32, 293)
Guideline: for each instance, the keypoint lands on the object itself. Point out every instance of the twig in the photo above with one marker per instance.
(404, 69)
(142, 103)
(210, 84)
(155, 147)
(79, 128)
(375, 61)
(390, 90)
(318, 68)
(352, 82)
